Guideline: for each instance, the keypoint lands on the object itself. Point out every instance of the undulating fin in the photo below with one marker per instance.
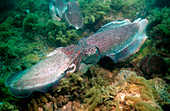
(77, 3)
(25, 93)
(128, 51)
(135, 45)
(114, 24)
(53, 12)
(20, 93)
(54, 52)
(142, 27)
(137, 20)
(11, 78)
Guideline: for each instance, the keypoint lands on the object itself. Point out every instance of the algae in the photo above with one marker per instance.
(26, 38)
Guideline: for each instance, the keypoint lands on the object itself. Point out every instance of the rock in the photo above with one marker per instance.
(153, 64)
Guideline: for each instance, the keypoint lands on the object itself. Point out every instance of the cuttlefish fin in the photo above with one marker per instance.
(135, 45)
(14, 76)
(20, 93)
(25, 93)
(137, 20)
(114, 24)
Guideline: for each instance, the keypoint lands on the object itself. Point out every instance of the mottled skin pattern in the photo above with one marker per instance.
(80, 53)
(60, 9)
(39, 77)
(113, 41)
(74, 15)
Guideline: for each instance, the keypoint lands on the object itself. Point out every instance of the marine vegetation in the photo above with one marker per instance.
(28, 33)
(133, 93)
(5, 106)
(159, 25)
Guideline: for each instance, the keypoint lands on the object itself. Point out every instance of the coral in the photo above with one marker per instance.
(143, 106)
(159, 21)
(5, 94)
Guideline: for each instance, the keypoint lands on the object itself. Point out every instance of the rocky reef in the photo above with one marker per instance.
(28, 34)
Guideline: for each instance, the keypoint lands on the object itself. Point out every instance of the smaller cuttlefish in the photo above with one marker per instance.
(70, 12)
(73, 15)
(117, 40)
(57, 8)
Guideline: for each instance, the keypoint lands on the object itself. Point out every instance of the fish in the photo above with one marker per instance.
(73, 15)
(57, 9)
(118, 40)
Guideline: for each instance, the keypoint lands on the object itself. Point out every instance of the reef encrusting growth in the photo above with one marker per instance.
(28, 34)
(128, 92)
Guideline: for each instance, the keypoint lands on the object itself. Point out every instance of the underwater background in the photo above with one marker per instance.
(140, 83)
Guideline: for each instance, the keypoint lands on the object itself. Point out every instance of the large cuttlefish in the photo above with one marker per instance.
(117, 40)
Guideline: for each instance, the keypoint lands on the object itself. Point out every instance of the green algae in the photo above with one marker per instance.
(7, 107)
(28, 5)
(132, 91)
(30, 59)
(143, 106)
(29, 23)
(28, 48)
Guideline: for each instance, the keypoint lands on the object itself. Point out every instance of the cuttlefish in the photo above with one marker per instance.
(117, 40)
(70, 12)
